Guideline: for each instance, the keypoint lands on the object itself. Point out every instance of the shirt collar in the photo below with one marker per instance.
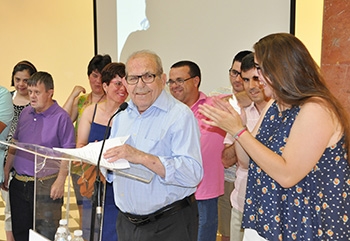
(47, 112)
(160, 103)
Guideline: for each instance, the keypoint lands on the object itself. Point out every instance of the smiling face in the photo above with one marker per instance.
(144, 95)
(115, 91)
(252, 85)
(20, 81)
(184, 91)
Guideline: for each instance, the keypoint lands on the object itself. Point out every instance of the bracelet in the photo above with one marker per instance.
(239, 133)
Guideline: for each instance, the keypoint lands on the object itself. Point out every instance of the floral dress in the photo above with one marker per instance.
(17, 111)
(83, 102)
(316, 208)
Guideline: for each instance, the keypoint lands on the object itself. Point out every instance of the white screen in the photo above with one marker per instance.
(207, 32)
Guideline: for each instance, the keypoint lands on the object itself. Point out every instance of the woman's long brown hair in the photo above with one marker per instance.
(295, 77)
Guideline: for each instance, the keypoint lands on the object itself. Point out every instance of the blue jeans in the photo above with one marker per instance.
(208, 219)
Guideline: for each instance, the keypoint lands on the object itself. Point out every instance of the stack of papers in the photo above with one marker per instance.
(90, 153)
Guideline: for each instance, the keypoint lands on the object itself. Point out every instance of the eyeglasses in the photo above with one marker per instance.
(178, 81)
(146, 78)
(233, 72)
(117, 84)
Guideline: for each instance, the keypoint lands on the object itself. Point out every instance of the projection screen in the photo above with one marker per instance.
(207, 32)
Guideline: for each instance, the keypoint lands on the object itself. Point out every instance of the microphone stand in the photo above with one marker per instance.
(98, 185)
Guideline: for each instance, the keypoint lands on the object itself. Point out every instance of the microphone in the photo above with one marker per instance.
(96, 197)
(122, 107)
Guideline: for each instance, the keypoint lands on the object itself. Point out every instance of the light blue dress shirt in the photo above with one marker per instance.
(169, 130)
(6, 115)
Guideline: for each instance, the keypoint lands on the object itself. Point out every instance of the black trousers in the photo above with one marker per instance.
(183, 225)
(47, 214)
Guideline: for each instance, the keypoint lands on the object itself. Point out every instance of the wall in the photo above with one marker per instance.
(308, 26)
(336, 48)
(106, 25)
(324, 27)
(209, 33)
(56, 36)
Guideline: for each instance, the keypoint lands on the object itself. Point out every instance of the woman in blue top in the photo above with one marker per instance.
(92, 126)
(299, 175)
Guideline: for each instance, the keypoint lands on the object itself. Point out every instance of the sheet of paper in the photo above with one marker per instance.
(34, 236)
(90, 153)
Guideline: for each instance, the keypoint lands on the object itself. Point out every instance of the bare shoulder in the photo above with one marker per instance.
(318, 107)
(89, 108)
(88, 111)
(316, 116)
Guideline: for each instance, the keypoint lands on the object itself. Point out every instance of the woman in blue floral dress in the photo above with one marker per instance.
(299, 175)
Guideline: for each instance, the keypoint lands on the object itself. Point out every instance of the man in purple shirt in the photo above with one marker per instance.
(43, 123)
(184, 81)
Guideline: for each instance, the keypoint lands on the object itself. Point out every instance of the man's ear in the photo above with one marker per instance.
(51, 92)
(163, 78)
(196, 81)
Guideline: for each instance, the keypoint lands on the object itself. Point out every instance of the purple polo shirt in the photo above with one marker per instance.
(51, 128)
(212, 184)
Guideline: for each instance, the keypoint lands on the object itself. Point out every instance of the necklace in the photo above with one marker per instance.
(90, 98)
(101, 98)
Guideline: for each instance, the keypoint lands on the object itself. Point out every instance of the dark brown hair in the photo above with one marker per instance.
(295, 77)
(20, 66)
(41, 77)
(111, 70)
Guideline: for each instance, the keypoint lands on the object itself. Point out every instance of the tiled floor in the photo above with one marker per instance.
(73, 222)
(2, 228)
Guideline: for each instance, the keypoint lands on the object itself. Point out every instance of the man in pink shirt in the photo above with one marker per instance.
(184, 81)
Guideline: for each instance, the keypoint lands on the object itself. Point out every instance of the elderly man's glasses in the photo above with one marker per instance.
(146, 78)
(177, 81)
(233, 72)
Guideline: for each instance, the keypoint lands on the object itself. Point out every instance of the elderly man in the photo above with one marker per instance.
(164, 141)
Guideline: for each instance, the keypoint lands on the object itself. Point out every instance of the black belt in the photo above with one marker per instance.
(161, 213)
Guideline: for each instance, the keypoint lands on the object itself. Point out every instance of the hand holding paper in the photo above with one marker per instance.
(90, 153)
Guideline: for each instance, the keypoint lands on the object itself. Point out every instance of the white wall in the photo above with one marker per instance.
(207, 32)
(57, 36)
